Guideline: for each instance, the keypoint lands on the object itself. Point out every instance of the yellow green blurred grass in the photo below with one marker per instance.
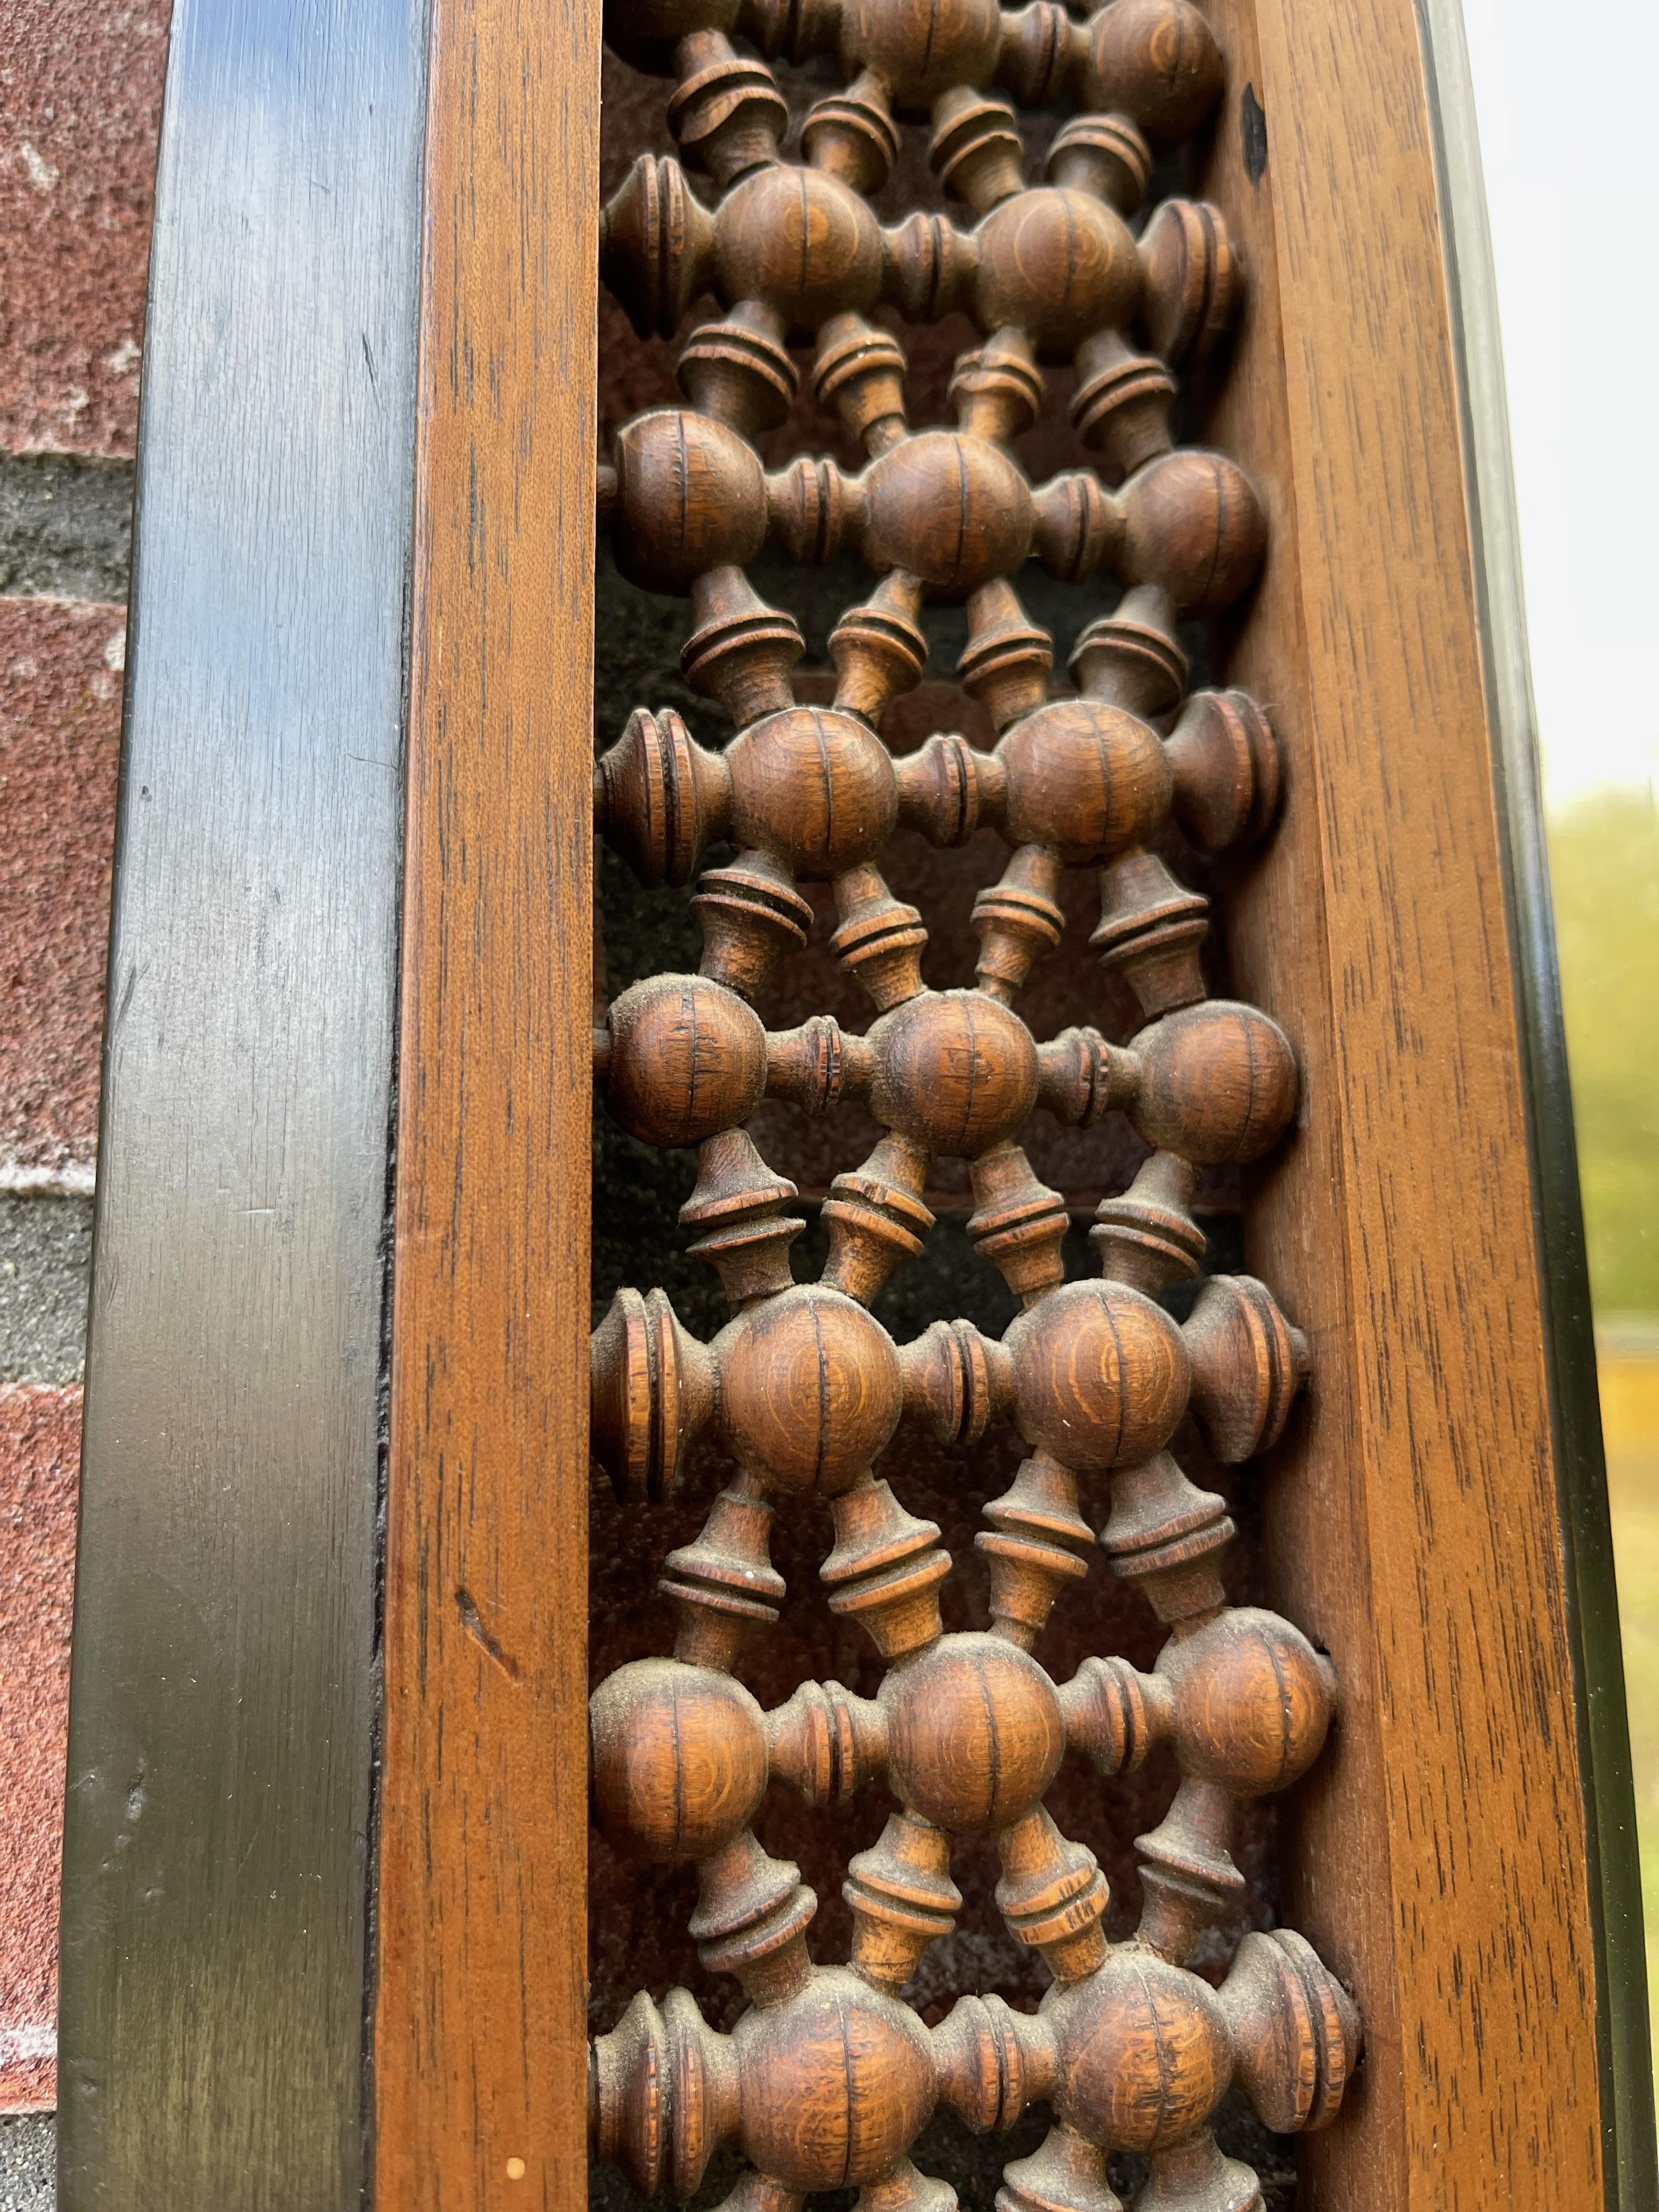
(1630, 1421)
(1604, 873)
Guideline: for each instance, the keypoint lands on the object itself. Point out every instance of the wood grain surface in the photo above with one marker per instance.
(1627, 2106)
(480, 2048)
(1441, 1857)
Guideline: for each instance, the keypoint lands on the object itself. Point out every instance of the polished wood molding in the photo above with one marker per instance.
(1614, 1870)
(479, 2023)
(1442, 1857)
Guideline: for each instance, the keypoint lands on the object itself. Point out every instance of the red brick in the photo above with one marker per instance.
(39, 1478)
(60, 715)
(80, 95)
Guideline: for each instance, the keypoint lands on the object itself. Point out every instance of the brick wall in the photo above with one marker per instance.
(80, 105)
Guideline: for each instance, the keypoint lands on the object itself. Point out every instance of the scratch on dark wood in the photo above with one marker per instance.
(472, 1621)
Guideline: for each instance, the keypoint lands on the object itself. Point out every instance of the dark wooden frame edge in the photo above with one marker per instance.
(215, 1903)
(1626, 2057)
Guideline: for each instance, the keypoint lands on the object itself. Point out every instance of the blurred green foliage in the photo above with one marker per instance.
(1604, 871)
(1604, 868)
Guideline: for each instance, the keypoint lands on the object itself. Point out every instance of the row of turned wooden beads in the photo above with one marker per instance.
(1154, 64)
(1163, 1532)
(970, 1731)
(682, 1058)
(793, 247)
(946, 512)
(816, 790)
(829, 2084)
(795, 256)
(1093, 1373)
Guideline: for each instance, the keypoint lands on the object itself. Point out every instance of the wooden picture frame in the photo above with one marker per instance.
(324, 1867)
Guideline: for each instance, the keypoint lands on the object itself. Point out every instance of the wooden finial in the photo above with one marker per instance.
(1248, 1363)
(652, 1389)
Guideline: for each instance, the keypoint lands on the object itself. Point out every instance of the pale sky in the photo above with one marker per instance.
(1570, 139)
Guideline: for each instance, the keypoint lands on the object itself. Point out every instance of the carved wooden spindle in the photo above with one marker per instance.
(830, 2076)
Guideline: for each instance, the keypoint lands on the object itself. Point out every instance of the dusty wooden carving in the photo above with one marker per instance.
(830, 2076)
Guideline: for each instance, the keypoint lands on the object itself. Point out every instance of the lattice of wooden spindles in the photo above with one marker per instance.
(830, 2076)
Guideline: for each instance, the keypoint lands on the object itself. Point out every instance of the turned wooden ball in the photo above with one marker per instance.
(1082, 778)
(688, 1058)
(801, 241)
(1100, 1376)
(1217, 1084)
(809, 1390)
(1058, 264)
(1145, 2053)
(920, 53)
(813, 787)
(949, 509)
(1156, 61)
(679, 1758)
(1192, 522)
(691, 496)
(974, 1733)
(1252, 1701)
(954, 1071)
(836, 2082)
